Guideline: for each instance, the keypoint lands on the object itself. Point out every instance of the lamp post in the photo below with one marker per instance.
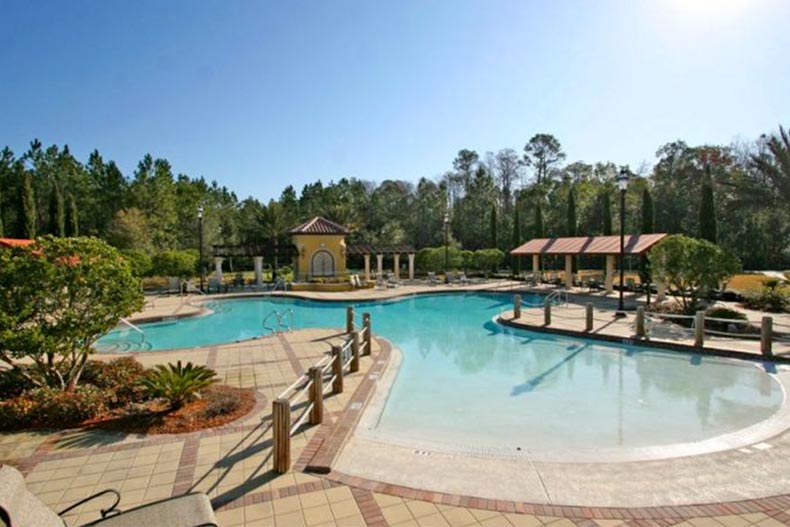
(200, 248)
(446, 241)
(622, 183)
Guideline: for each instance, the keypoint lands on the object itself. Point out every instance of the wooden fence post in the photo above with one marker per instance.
(337, 369)
(766, 336)
(640, 322)
(316, 376)
(349, 319)
(281, 435)
(547, 312)
(699, 329)
(516, 306)
(354, 366)
(588, 316)
(368, 334)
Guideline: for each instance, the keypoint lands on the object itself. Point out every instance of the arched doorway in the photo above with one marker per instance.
(322, 264)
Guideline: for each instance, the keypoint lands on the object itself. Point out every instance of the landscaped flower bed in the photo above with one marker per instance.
(122, 395)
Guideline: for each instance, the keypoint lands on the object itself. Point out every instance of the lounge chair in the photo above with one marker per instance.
(462, 279)
(392, 281)
(20, 508)
(432, 279)
(238, 280)
(173, 285)
(380, 282)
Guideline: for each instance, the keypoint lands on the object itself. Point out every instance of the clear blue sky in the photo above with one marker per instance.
(259, 94)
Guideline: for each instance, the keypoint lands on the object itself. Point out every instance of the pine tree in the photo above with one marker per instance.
(72, 218)
(27, 204)
(494, 237)
(607, 214)
(539, 231)
(1, 213)
(707, 210)
(571, 226)
(57, 216)
(516, 260)
(648, 226)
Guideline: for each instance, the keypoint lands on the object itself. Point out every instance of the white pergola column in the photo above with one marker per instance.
(218, 267)
(379, 265)
(258, 262)
(396, 266)
(411, 266)
(661, 289)
(367, 267)
(609, 279)
(568, 270)
(535, 264)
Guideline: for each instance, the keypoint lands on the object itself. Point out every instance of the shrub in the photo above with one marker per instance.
(182, 264)
(489, 259)
(13, 383)
(729, 314)
(178, 384)
(139, 260)
(119, 377)
(221, 401)
(52, 407)
(767, 299)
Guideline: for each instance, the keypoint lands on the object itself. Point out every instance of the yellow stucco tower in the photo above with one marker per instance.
(321, 246)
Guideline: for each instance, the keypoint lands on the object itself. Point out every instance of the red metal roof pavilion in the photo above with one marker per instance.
(589, 245)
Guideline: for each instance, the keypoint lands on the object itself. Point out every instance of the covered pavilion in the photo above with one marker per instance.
(609, 246)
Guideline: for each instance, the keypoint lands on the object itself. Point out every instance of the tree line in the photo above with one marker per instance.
(736, 195)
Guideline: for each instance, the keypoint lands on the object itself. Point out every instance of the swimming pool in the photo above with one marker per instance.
(465, 380)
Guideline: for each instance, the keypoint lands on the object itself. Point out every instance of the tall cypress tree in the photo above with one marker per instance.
(72, 218)
(516, 260)
(57, 216)
(27, 212)
(707, 210)
(648, 226)
(607, 214)
(494, 237)
(571, 227)
(1, 214)
(539, 230)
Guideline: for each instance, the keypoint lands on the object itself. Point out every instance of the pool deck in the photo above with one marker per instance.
(233, 463)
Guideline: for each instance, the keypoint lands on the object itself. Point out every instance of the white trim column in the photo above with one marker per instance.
(609, 280)
(379, 266)
(396, 266)
(258, 262)
(367, 267)
(535, 264)
(411, 266)
(218, 267)
(568, 271)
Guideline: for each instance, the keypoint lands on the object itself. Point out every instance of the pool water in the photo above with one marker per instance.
(465, 380)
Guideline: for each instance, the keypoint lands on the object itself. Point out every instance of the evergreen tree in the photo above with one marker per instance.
(607, 214)
(539, 230)
(494, 237)
(72, 227)
(1, 214)
(27, 212)
(516, 260)
(57, 216)
(707, 210)
(571, 218)
(648, 226)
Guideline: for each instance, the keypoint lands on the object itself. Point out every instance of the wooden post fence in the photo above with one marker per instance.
(349, 319)
(315, 375)
(337, 369)
(640, 322)
(368, 333)
(588, 317)
(547, 312)
(281, 435)
(766, 336)
(699, 329)
(354, 366)
(516, 306)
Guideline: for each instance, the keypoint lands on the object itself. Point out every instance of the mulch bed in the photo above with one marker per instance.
(155, 417)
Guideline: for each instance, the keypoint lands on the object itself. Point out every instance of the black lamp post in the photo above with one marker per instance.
(622, 183)
(446, 242)
(200, 248)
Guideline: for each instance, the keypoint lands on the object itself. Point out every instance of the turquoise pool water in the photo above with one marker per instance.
(466, 380)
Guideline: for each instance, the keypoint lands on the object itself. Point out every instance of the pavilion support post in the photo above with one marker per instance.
(411, 266)
(516, 306)
(609, 279)
(281, 435)
(396, 266)
(661, 291)
(316, 395)
(218, 268)
(379, 266)
(258, 262)
(367, 267)
(535, 265)
(568, 271)
(588, 317)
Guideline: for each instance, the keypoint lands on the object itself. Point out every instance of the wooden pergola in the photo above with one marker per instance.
(609, 246)
(366, 250)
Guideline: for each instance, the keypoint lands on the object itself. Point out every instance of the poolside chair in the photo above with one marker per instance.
(173, 285)
(432, 279)
(462, 279)
(238, 280)
(392, 281)
(21, 508)
(380, 282)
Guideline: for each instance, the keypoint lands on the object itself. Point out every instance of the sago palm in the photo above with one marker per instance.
(178, 384)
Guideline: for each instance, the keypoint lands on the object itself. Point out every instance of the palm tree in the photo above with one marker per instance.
(774, 164)
(275, 223)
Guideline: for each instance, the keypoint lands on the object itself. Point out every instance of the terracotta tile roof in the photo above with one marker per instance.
(364, 248)
(634, 244)
(14, 242)
(319, 225)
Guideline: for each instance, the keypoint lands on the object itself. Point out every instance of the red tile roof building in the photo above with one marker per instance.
(592, 245)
